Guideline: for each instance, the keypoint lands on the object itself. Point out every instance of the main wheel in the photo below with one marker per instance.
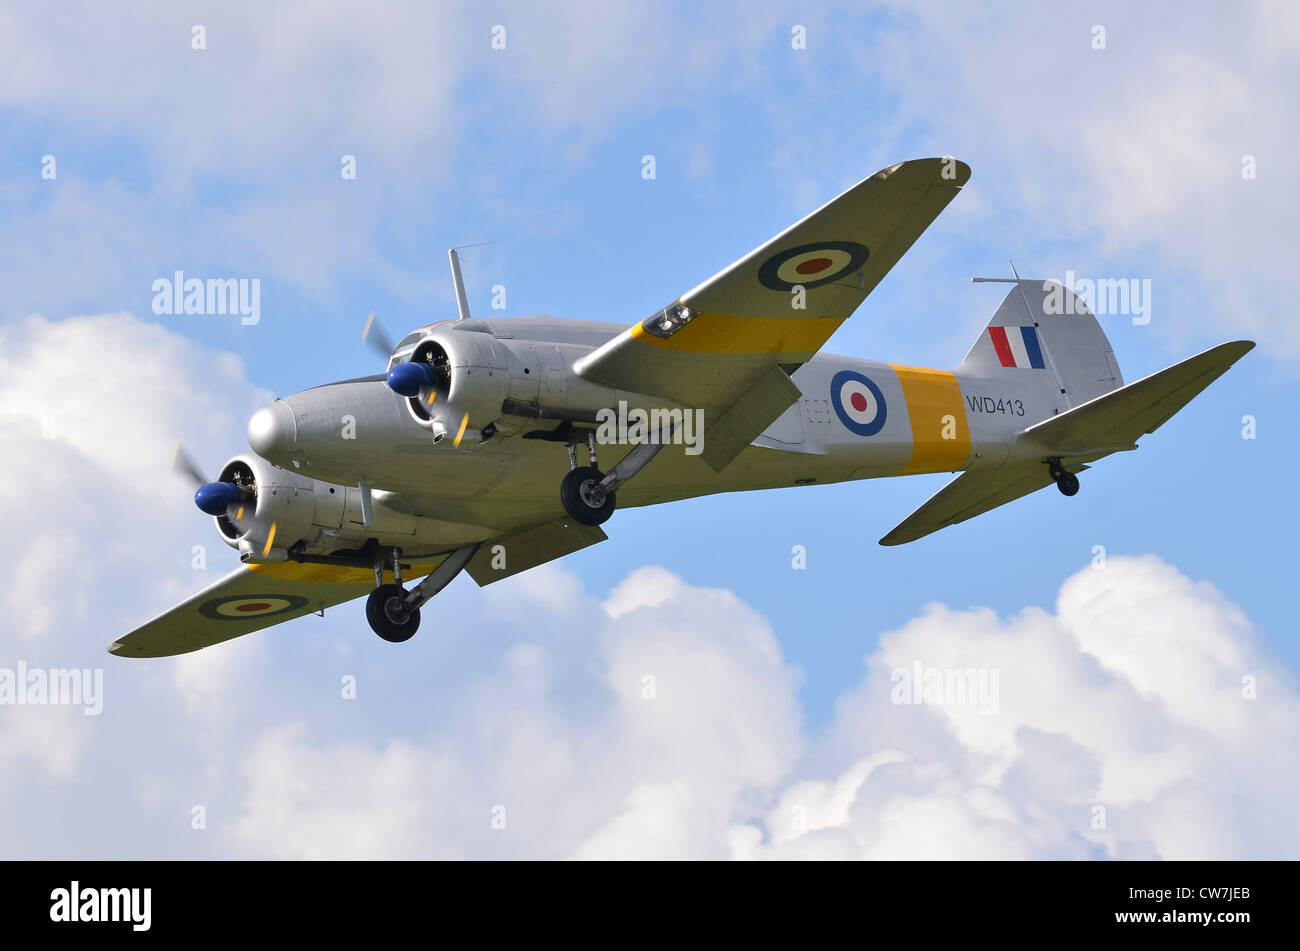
(1067, 482)
(385, 617)
(576, 494)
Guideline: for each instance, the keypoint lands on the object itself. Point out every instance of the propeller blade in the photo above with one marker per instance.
(182, 463)
(374, 335)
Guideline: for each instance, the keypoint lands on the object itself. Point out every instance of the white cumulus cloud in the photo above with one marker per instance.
(1141, 716)
(1123, 728)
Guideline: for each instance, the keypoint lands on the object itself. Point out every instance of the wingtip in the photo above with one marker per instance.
(123, 649)
(928, 171)
(1235, 349)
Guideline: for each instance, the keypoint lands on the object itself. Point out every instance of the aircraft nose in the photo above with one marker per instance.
(272, 432)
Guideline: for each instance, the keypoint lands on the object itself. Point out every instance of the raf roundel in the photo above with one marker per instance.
(858, 403)
(252, 605)
(812, 265)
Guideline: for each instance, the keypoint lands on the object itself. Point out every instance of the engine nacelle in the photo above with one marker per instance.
(462, 390)
(282, 515)
(463, 384)
(279, 512)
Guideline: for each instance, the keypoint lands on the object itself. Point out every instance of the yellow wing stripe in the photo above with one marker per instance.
(940, 430)
(333, 574)
(727, 333)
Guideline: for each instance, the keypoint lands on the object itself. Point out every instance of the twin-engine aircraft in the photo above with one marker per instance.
(488, 445)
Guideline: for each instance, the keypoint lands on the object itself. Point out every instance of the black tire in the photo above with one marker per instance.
(382, 622)
(1068, 483)
(574, 494)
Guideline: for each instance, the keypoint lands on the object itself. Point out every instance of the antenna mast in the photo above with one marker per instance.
(998, 280)
(462, 303)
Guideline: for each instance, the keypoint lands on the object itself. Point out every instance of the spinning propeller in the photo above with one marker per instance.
(405, 379)
(219, 498)
(374, 335)
(212, 498)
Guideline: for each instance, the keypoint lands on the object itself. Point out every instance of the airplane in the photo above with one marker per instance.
(480, 448)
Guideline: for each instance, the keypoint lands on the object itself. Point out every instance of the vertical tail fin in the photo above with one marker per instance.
(1042, 327)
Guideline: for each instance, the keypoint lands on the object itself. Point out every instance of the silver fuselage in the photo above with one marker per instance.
(330, 439)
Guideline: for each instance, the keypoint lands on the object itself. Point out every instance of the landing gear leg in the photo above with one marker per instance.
(580, 491)
(385, 607)
(440, 577)
(1065, 480)
(588, 494)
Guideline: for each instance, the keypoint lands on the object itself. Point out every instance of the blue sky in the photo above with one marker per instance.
(1116, 162)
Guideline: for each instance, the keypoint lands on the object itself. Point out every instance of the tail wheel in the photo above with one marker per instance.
(387, 615)
(1065, 480)
(581, 500)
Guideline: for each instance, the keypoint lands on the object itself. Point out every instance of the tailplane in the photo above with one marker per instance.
(1056, 449)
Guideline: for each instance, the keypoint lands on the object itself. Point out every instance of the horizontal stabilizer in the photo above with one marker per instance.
(971, 494)
(1110, 423)
(1116, 420)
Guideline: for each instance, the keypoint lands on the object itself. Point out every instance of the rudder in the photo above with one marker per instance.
(1042, 326)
